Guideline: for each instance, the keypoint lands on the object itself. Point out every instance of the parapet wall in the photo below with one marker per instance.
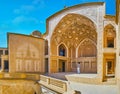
(19, 83)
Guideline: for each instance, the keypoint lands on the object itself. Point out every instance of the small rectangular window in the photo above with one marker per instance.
(0, 63)
(1, 52)
(110, 43)
(6, 52)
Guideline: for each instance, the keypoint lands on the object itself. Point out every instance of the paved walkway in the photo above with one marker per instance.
(94, 89)
(86, 88)
(60, 75)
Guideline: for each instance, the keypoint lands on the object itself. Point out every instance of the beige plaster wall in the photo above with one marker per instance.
(26, 53)
(95, 12)
(19, 87)
(118, 48)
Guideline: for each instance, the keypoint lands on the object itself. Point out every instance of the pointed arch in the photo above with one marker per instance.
(62, 50)
(87, 48)
(73, 27)
(67, 36)
(85, 40)
(109, 36)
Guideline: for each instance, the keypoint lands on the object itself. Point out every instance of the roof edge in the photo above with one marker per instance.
(110, 16)
(23, 35)
(117, 10)
(75, 6)
(3, 48)
(65, 9)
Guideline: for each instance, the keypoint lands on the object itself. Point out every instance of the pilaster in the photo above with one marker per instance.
(100, 43)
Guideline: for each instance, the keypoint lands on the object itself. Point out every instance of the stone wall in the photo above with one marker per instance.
(19, 87)
(94, 12)
(26, 53)
(118, 44)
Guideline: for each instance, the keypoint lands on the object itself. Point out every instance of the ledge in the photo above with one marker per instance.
(84, 78)
(53, 84)
(109, 50)
(20, 76)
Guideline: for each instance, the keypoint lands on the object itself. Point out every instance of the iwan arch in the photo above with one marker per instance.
(78, 37)
(83, 37)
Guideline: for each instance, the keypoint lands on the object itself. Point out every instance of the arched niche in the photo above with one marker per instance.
(62, 51)
(109, 36)
(87, 56)
(87, 49)
(73, 28)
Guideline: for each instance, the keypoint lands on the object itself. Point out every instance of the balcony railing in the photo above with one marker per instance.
(53, 84)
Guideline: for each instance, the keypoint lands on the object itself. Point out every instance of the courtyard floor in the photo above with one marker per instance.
(60, 75)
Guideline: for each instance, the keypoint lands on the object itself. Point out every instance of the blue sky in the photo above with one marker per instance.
(25, 16)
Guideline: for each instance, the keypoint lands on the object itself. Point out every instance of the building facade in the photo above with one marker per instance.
(26, 53)
(80, 38)
(83, 36)
(4, 59)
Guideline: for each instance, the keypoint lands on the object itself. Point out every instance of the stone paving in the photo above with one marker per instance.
(86, 88)
(60, 75)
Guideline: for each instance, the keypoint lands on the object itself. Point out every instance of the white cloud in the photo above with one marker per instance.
(18, 19)
(24, 19)
(24, 9)
(28, 7)
(39, 3)
(5, 26)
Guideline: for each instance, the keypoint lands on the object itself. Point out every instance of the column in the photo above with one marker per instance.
(3, 52)
(83, 65)
(90, 65)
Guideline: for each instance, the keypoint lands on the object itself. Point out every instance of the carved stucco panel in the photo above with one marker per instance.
(91, 12)
(106, 22)
(74, 28)
(27, 55)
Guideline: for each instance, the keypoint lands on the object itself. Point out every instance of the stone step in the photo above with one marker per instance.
(110, 81)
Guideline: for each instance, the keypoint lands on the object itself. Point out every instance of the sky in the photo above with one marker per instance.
(25, 16)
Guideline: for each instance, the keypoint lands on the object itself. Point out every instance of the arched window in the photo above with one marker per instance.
(62, 50)
(109, 36)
